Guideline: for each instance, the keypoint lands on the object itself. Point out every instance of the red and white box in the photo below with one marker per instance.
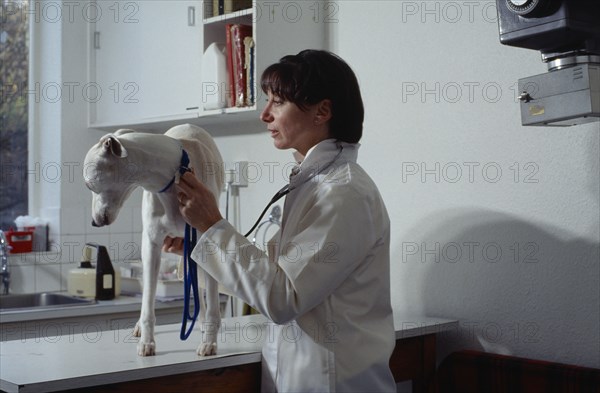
(20, 241)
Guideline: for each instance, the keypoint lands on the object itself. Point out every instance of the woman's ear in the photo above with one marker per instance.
(323, 113)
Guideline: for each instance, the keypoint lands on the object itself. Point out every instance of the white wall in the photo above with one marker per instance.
(436, 158)
(59, 140)
(442, 119)
(514, 255)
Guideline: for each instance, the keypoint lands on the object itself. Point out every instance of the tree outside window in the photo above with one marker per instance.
(14, 57)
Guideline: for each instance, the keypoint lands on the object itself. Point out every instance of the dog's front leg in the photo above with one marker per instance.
(212, 320)
(151, 252)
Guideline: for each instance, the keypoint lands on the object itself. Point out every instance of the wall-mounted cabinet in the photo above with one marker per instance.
(146, 58)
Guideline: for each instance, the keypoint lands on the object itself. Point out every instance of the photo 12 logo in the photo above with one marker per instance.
(71, 11)
(469, 172)
(126, 92)
(453, 92)
(470, 252)
(295, 11)
(449, 11)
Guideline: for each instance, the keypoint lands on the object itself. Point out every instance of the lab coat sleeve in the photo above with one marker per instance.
(333, 236)
(236, 263)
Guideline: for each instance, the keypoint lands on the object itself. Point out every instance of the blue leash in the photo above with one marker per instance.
(190, 269)
(183, 168)
(190, 281)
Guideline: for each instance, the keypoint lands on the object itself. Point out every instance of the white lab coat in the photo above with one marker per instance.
(325, 283)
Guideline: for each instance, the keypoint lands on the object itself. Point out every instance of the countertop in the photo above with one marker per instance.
(78, 360)
(118, 305)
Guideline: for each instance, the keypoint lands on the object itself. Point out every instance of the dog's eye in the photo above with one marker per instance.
(89, 187)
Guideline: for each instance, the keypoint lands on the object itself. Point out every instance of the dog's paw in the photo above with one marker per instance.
(207, 349)
(137, 330)
(146, 349)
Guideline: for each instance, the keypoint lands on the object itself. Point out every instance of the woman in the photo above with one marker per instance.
(325, 283)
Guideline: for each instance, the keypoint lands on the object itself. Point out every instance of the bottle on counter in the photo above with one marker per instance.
(105, 274)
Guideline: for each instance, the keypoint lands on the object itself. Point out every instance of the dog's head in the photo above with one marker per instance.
(110, 177)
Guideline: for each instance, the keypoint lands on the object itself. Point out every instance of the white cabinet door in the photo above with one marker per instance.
(146, 60)
(146, 68)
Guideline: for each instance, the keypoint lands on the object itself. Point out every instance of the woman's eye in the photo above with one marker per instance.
(276, 100)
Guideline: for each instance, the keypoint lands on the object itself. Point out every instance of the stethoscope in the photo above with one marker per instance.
(289, 188)
(190, 238)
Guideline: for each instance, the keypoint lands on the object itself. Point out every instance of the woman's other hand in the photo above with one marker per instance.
(173, 245)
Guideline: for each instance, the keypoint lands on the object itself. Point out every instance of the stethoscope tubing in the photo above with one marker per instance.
(288, 188)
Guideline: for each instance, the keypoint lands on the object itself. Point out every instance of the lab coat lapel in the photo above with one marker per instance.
(299, 174)
(317, 158)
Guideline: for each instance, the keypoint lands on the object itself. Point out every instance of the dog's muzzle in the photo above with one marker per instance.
(102, 221)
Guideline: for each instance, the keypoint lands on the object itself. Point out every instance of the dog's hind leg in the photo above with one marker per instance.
(212, 320)
(151, 252)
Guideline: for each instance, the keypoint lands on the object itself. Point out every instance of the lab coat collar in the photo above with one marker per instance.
(322, 155)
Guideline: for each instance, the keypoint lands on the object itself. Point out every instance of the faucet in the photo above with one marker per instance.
(4, 272)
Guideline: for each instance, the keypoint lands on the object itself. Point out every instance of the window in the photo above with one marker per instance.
(14, 67)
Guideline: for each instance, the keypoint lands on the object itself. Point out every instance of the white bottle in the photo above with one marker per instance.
(215, 86)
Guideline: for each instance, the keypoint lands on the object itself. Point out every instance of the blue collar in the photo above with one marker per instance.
(183, 168)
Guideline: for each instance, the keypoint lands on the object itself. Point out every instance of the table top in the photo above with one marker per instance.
(417, 325)
(96, 358)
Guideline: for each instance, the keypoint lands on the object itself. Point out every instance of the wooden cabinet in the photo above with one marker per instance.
(145, 59)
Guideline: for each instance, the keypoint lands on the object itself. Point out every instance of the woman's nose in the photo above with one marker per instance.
(266, 114)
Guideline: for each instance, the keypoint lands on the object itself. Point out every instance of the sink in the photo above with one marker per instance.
(41, 300)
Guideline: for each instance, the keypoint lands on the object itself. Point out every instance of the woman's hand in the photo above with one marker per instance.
(197, 203)
(173, 245)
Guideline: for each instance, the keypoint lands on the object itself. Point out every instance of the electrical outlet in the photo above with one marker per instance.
(240, 176)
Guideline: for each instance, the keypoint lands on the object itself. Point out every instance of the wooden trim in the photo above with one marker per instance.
(244, 378)
(414, 358)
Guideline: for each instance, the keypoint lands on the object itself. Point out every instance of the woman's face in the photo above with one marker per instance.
(291, 127)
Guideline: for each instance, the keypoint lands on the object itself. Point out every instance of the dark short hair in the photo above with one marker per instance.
(312, 76)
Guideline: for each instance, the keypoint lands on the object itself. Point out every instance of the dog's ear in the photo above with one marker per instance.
(112, 145)
(123, 131)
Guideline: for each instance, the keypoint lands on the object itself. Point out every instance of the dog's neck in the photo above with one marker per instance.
(158, 157)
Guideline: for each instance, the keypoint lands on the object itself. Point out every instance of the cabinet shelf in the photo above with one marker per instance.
(162, 123)
(228, 111)
(231, 17)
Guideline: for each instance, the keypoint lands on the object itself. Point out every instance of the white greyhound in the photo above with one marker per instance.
(121, 162)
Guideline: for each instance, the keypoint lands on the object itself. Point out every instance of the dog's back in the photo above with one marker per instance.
(203, 152)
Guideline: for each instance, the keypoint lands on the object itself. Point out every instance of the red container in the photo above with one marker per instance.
(19, 241)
